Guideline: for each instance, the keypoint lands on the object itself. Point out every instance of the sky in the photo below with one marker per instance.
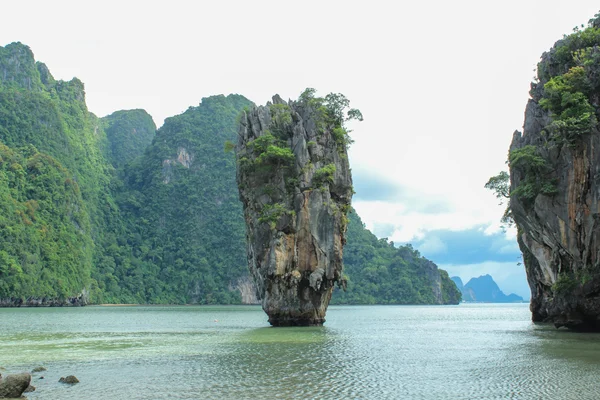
(442, 87)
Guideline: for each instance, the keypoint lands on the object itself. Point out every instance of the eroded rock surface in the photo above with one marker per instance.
(295, 184)
(555, 185)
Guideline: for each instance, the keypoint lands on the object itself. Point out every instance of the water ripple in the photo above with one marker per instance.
(464, 352)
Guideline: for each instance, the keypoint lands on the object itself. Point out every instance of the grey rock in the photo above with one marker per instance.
(71, 380)
(295, 220)
(30, 388)
(13, 386)
(75, 301)
(38, 369)
(559, 235)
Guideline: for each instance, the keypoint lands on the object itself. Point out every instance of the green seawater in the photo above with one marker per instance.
(367, 352)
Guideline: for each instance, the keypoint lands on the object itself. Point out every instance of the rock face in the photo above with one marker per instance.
(13, 386)
(80, 300)
(555, 184)
(295, 185)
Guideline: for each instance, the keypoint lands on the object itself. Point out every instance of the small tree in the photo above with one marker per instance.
(336, 104)
(333, 110)
(500, 185)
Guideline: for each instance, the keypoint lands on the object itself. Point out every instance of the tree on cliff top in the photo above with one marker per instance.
(336, 105)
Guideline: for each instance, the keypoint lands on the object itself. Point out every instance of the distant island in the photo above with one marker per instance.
(484, 290)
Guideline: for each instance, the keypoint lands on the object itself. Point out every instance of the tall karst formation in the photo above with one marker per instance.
(295, 185)
(555, 183)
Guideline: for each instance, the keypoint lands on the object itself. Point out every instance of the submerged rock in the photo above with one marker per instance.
(76, 301)
(13, 386)
(71, 379)
(38, 369)
(295, 185)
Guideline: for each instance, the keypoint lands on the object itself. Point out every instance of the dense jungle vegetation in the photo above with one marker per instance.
(124, 213)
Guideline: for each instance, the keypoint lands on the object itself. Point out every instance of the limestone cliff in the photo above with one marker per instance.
(555, 184)
(295, 185)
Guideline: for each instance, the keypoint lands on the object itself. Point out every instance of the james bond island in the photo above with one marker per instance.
(295, 185)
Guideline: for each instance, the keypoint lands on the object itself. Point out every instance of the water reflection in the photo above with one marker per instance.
(281, 363)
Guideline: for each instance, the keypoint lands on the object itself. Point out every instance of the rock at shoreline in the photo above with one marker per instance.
(13, 386)
(38, 369)
(75, 301)
(30, 388)
(71, 380)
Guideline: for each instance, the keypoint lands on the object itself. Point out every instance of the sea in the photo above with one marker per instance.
(468, 351)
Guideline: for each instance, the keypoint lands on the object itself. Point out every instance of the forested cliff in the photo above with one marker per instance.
(111, 210)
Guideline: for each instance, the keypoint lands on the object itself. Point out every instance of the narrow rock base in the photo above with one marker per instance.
(276, 320)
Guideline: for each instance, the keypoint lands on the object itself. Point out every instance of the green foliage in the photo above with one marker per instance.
(275, 155)
(527, 158)
(336, 104)
(281, 118)
(129, 133)
(566, 96)
(535, 170)
(307, 95)
(46, 248)
(51, 117)
(333, 112)
(84, 208)
(260, 144)
(569, 75)
(324, 175)
(271, 213)
(269, 151)
(500, 184)
(564, 92)
(341, 138)
(19, 70)
(229, 146)
(380, 273)
(567, 52)
(184, 238)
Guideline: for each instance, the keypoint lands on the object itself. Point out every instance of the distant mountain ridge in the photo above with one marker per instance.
(485, 290)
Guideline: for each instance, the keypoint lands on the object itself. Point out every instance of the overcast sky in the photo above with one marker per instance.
(442, 86)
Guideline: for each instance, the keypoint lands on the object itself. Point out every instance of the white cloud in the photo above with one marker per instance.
(410, 225)
(433, 245)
